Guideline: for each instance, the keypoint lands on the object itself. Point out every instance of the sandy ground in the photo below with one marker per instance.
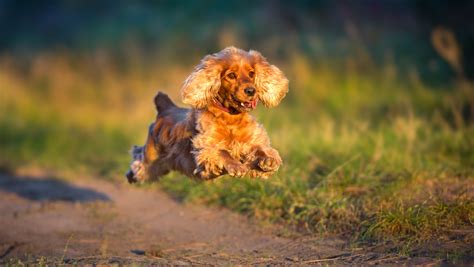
(91, 221)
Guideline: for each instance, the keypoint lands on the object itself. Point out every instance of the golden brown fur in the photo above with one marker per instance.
(217, 135)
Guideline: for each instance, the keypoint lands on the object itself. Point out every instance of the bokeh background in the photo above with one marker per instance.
(376, 132)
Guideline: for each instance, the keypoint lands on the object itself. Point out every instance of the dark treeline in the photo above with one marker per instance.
(402, 27)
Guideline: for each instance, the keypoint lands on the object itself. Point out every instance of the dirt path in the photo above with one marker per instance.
(94, 221)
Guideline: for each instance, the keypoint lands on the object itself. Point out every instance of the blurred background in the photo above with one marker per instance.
(376, 132)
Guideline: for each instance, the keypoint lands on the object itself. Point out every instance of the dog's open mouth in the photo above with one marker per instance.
(249, 105)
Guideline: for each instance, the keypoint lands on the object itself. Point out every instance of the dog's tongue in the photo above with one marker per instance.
(253, 103)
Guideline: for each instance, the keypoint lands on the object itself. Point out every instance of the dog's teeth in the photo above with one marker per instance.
(242, 104)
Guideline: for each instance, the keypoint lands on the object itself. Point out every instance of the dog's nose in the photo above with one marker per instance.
(250, 91)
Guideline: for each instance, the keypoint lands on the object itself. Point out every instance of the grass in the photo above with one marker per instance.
(52, 143)
(373, 155)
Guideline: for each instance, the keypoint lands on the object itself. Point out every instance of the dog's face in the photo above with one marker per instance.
(238, 92)
(236, 80)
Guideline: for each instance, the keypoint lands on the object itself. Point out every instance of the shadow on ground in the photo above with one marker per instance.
(48, 189)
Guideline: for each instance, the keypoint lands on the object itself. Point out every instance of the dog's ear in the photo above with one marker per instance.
(203, 83)
(271, 83)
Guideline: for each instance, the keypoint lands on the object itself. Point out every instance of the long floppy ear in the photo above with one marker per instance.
(203, 83)
(271, 83)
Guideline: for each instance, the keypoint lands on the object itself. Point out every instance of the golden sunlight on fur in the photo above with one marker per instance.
(217, 135)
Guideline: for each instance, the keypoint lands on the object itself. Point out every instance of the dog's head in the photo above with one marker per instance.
(236, 80)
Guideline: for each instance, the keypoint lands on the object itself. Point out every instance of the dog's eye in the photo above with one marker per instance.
(232, 75)
(251, 74)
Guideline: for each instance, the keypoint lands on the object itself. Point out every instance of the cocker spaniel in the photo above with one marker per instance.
(217, 135)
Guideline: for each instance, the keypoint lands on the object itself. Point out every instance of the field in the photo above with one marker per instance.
(375, 151)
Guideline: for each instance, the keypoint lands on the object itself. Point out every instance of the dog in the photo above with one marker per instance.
(217, 136)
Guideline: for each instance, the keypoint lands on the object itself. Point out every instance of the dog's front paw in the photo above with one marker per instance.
(259, 174)
(269, 164)
(207, 172)
(236, 169)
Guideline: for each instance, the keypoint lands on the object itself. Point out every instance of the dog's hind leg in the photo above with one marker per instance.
(145, 161)
(137, 169)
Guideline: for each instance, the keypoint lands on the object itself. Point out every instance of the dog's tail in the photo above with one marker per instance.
(163, 102)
